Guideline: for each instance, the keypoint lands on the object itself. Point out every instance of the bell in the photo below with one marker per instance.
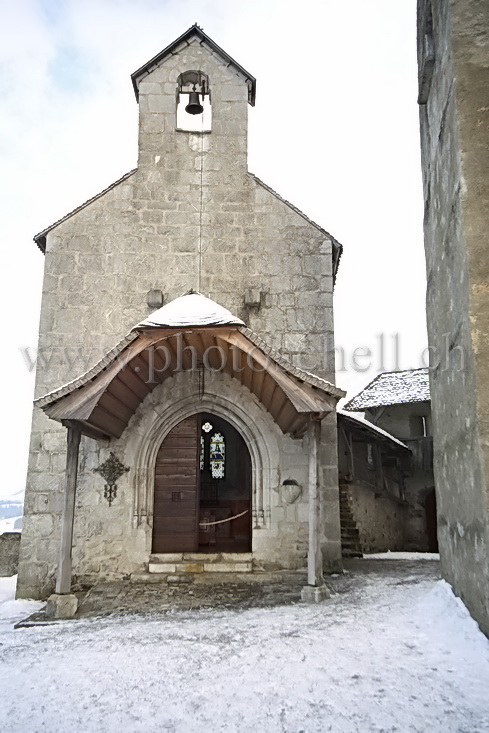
(194, 106)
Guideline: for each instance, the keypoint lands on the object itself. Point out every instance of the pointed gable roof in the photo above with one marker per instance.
(190, 310)
(194, 32)
(393, 388)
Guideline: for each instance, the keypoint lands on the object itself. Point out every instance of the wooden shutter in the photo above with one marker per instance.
(175, 522)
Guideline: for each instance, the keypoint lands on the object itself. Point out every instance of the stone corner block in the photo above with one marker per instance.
(314, 593)
(61, 606)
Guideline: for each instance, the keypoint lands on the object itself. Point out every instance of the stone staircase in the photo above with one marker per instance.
(350, 536)
(160, 567)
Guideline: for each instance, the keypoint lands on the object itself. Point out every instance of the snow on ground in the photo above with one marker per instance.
(389, 655)
(402, 556)
(12, 611)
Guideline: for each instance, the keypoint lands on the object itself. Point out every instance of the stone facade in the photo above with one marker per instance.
(453, 57)
(189, 216)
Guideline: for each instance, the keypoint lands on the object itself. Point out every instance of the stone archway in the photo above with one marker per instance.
(224, 398)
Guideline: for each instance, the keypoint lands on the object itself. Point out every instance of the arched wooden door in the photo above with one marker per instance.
(202, 488)
(176, 490)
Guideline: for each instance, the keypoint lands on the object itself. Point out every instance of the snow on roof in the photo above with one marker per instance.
(393, 388)
(190, 309)
(366, 424)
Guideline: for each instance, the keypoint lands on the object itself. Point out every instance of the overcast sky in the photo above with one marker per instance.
(334, 130)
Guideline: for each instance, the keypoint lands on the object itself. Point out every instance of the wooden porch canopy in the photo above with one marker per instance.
(191, 332)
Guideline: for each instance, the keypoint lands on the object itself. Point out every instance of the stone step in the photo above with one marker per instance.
(206, 557)
(350, 538)
(350, 542)
(200, 562)
(188, 580)
(355, 544)
(351, 534)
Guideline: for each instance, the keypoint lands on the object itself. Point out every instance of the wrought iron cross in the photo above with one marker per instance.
(111, 470)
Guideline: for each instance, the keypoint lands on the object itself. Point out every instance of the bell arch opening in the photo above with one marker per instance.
(202, 488)
(194, 112)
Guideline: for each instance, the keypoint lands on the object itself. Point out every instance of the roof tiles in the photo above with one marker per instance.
(393, 388)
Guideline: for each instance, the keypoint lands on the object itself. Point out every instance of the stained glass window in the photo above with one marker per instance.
(217, 455)
(207, 427)
(202, 452)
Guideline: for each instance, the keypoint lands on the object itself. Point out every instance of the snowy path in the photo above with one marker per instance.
(390, 656)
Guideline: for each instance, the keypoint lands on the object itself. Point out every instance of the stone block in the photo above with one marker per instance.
(161, 567)
(158, 103)
(149, 87)
(314, 594)
(189, 567)
(61, 606)
(237, 556)
(54, 442)
(228, 567)
(294, 342)
(38, 525)
(202, 556)
(39, 462)
(33, 575)
(27, 549)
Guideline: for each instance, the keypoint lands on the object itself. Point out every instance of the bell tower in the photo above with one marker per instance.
(193, 100)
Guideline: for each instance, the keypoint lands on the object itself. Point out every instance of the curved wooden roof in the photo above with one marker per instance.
(103, 400)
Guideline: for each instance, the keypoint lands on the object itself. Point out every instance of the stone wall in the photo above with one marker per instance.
(454, 117)
(9, 553)
(190, 216)
(403, 421)
(380, 520)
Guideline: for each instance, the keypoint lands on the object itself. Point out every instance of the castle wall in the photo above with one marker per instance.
(454, 118)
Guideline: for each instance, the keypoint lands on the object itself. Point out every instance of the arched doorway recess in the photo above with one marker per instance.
(202, 488)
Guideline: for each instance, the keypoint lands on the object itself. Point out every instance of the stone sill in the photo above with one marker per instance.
(193, 132)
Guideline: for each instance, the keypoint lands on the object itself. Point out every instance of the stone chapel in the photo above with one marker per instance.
(185, 412)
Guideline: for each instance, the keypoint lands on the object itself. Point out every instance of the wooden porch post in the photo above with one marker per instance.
(314, 556)
(315, 590)
(63, 575)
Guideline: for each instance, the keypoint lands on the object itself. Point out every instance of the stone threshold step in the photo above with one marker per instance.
(210, 578)
(206, 557)
(200, 567)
